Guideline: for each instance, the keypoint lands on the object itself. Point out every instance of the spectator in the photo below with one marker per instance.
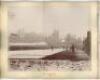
(72, 48)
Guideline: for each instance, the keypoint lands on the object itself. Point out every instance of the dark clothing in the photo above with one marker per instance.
(72, 48)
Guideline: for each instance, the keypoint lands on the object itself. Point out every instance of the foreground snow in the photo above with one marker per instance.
(53, 65)
(28, 60)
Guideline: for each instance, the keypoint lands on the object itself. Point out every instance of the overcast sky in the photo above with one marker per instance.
(45, 20)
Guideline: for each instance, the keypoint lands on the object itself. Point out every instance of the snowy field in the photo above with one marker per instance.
(42, 53)
(32, 64)
(53, 65)
(33, 53)
(28, 44)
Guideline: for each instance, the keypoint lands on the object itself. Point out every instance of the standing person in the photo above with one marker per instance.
(72, 48)
(52, 48)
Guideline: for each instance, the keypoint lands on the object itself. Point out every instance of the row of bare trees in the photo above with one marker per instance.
(54, 41)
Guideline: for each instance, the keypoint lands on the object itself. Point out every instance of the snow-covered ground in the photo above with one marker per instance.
(53, 65)
(42, 53)
(81, 54)
(33, 53)
(46, 65)
(28, 44)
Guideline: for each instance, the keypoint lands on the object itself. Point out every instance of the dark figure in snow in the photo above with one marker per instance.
(52, 48)
(72, 48)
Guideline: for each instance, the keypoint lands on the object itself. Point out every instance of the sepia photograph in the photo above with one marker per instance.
(49, 36)
(49, 39)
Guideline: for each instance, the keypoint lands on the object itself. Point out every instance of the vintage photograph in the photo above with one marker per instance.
(49, 36)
